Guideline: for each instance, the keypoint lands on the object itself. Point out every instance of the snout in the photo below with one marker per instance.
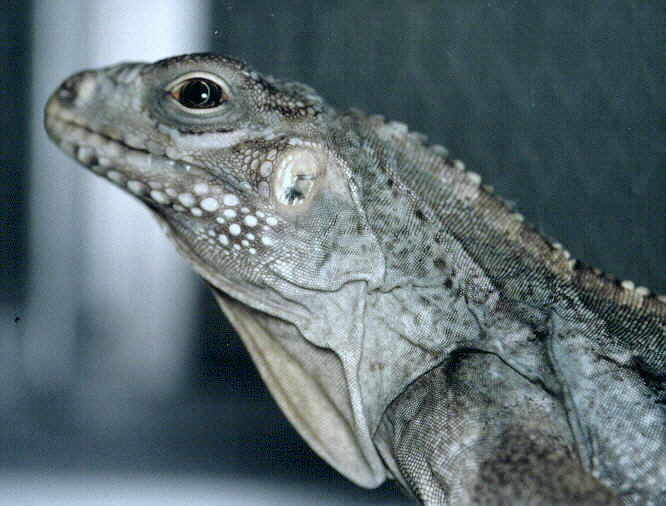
(81, 89)
(76, 90)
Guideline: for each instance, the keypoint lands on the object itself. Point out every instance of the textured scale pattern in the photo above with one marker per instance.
(408, 321)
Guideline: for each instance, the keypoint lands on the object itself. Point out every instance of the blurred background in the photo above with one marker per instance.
(121, 382)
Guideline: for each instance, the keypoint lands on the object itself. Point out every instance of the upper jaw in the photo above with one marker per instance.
(124, 160)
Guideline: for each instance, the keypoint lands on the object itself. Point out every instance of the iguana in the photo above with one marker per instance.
(407, 320)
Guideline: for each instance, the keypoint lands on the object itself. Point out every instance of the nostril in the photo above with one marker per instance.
(69, 89)
(66, 96)
(77, 89)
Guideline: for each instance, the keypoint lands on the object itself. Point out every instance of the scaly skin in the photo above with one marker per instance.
(410, 325)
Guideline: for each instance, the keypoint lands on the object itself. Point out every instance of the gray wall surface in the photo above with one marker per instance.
(15, 79)
(558, 105)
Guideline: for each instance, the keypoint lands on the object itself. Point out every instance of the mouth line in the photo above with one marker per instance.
(102, 153)
(159, 181)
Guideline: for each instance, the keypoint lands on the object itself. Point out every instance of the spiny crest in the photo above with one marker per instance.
(469, 185)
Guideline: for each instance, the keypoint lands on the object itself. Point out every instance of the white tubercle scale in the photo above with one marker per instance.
(246, 228)
(209, 204)
(233, 225)
(230, 199)
(628, 285)
(201, 189)
(187, 199)
(137, 187)
(238, 234)
(85, 155)
(642, 291)
(160, 197)
(234, 229)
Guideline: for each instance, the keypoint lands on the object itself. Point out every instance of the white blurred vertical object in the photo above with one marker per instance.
(102, 274)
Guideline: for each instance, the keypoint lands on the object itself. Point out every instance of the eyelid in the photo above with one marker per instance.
(175, 84)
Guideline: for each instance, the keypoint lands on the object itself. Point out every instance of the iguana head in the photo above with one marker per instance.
(243, 173)
(236, 164)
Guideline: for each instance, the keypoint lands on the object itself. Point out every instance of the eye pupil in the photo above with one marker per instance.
(200, 94)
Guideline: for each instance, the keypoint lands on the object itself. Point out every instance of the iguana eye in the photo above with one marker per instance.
(296, 177)
(198, 92)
